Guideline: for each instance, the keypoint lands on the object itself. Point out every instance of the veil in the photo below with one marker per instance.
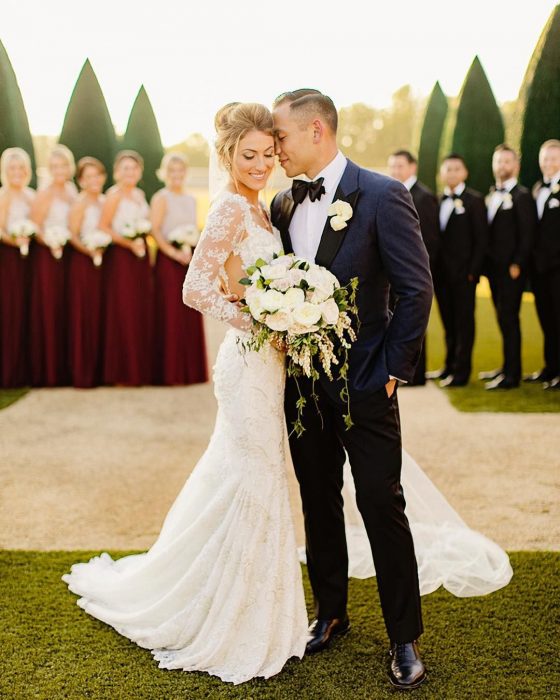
(217, 175)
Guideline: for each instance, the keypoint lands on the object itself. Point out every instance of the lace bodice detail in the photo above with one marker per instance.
(181, 210)
(128, 211)
(19, 208)
(92, 215)
(230, 230)
(58, 213)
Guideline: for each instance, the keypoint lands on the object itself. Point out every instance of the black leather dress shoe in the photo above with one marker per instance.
(501, 382)
(437, 374)
(322, 632)
(490, 375)
(406, 670)
(452, 380)
(543, 376)
(552, 385)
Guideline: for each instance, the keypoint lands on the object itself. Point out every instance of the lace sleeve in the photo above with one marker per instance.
(225, 228)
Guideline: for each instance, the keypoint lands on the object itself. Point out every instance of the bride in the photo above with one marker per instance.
(220, 590)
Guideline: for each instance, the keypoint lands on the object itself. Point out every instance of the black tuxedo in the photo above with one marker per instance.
(426, 205)
(382, 246)
(459, 264)
(545, 279)
(510, 242)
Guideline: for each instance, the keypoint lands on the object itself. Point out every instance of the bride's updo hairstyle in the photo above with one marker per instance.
(233, 122)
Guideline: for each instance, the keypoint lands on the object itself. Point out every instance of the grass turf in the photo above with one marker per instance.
(487, 355)
(9, 396)
(495, 647)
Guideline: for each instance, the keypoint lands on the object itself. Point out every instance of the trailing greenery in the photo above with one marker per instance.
(494, 647)
(431, 136)
(539, 98)
(142, 135)
(478, 127)
(87, 129)
(487, 355)
(14, 125)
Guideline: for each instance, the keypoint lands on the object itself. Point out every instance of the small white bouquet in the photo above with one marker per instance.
(302, 307)
(23, 228)
(184, 237)
(139, 228)
(56, 237)
(97, 241)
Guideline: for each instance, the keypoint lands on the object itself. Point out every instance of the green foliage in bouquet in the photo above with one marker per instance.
(87, 129)
(14, 125)
(430, 137)
(479, 127)
(142, 135)
(539, 99)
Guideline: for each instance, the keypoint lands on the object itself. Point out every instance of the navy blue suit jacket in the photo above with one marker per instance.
(381, 246)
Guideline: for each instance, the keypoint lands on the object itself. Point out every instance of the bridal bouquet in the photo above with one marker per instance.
(302, 307)
(184, 237)
(56, 237)
(96, 241)
(24, 228)
(139, 228)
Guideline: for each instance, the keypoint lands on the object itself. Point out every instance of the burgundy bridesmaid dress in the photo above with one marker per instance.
(85, 289)
(14, 302)
(180, 348)
(128, 306)
(48, 323)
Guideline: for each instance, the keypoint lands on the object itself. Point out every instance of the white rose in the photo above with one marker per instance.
(273, 272)
(338, 223)
(307, 314)
(282, 284)
(272, 300)
(340, 209)
(295, 277)
(279, 321)
(329, 311)
(143, 226)
(294, 297)
(299, 329)
(323, 284)
(256, 307)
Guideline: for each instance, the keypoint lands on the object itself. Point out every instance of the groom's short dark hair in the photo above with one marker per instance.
(306, 101)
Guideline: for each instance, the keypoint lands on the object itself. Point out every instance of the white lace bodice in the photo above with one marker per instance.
(92, 215)
(181, 210)
(19, 207)
(230, 230)
(128, 211)
(57, 214)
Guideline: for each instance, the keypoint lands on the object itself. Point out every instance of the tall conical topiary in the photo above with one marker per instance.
(539, 98)
(14, 125)
(87, 129)
(142, 135)
(479, 127)
(430, 137)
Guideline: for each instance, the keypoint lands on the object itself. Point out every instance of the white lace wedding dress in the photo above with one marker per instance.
(220, 590)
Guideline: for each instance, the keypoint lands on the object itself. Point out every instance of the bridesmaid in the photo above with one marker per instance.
(48, 335)
(180, 352)
(16, 199)
(85, 277)
(128, 285)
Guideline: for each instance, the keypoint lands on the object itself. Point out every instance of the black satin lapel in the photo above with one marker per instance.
(288, 208)
(331, 240)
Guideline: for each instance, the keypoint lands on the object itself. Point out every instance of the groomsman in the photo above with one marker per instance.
(403, 166)
(545, 275)
(463, 240)
(512, 221)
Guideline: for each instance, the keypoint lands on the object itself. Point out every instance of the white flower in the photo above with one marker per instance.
(322, 282)
(555, 188)
(272, 300)
(295, 276)
(143, 226)
(294, 297)
(330, 312)
(279, 321)
(307, 314)
(254, 303)
(341, 212)
(273, 272)
(554, 203)
(56, 236)
(300, 329)
(96, 239)
(136, 228)
(24, 228)
(282, 284)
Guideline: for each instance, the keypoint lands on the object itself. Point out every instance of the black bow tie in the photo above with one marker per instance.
(302, 188)
(547, 183)
(449, 196)
(501, 189)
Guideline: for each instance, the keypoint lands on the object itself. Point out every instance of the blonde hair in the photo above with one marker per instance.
(8, 156)
(233, 122)
(551, 143)
(168, 158)
(62, 151)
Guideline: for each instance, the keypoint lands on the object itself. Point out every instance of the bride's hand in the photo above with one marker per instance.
(234, 299)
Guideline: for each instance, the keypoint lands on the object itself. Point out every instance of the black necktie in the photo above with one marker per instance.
(302, 188)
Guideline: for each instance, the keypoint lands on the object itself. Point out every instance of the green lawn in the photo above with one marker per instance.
(9, 396)
(497, 647)
(528, 398)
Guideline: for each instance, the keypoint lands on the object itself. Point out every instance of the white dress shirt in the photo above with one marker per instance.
(544, 194)
(447, 206)
(410, 182)
(308, 222)
(497, 198)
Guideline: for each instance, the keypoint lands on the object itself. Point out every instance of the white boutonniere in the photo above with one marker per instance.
(341, 213)
(459, 207)
(507, 200)
(553, 203)
(555, 188)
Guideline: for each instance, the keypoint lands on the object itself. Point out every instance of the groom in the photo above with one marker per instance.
(382, 246)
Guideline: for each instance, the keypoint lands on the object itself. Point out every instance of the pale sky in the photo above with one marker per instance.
(193, 57)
